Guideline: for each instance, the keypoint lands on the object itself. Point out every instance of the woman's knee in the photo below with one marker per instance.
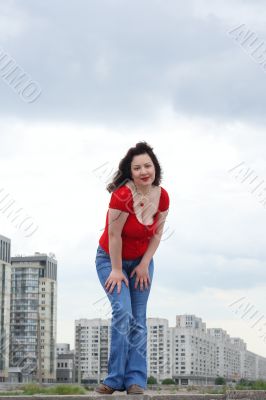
(121, 317)
(121, 308)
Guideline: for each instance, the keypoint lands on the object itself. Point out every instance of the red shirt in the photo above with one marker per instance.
(135, 235)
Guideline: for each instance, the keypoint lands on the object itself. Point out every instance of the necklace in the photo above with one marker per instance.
(142, 196)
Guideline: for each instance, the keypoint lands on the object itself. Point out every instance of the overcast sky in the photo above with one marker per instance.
(112, 73)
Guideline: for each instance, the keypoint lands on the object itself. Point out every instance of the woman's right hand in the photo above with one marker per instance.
(115, 278)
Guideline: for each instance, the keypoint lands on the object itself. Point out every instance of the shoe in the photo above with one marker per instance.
(135, 389)
(104, 389)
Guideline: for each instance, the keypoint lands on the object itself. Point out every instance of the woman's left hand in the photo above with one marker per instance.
(142, 276)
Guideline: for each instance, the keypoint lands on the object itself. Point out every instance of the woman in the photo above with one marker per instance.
(124, 263)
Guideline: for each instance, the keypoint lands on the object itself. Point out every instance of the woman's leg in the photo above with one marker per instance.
(136, 367)
(120, 325)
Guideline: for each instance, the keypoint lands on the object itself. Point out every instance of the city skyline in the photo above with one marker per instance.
(188, 353)
(29, 295)
(240, 307)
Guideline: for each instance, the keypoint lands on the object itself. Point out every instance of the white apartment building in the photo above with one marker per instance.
(92, 348)
(194, 352)
(33, 317)
(250, 365)
(5, 289)
(159, 348)
(188, 353)
(228, 354)
(261, 368)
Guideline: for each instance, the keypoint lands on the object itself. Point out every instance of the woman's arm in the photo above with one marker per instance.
(116, 221)
(155, 240)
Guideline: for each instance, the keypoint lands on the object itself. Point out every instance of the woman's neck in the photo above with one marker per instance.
(142, 189)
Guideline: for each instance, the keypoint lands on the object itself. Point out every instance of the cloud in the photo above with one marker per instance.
(93, 64)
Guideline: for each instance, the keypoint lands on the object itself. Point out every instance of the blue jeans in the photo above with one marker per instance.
(127, 364)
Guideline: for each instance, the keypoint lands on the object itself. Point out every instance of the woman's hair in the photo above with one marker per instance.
(123, 174)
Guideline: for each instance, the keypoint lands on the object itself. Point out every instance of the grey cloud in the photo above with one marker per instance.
(116, 62)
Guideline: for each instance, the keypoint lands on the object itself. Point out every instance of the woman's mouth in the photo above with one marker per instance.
(145, 179)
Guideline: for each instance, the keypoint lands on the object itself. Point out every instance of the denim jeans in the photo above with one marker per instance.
(127, 362)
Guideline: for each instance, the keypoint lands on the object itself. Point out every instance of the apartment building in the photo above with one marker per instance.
(92, 349)
(194, 352)
(228, 354)
(33, 316)
(5, 290)
(159, 348)
(188, 352)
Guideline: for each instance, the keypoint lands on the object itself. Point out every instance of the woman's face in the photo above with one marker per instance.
(142, 170)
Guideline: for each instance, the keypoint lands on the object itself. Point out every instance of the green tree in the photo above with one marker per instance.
(151, 380)
(168, 381)
(219, 380)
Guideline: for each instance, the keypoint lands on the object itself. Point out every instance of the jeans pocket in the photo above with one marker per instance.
(100, 250)
(101, 259)
(102, 263)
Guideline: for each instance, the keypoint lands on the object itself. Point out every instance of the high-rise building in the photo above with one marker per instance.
(194, 354)
(188, 353)
(33, 316)
(5, 288)
(228, 355)
(92, 348)
(159, 349)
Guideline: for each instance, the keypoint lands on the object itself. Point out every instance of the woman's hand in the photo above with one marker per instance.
(115, 278)
(142, 276)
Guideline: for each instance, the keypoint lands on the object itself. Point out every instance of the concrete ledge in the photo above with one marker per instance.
(246, 394)
(230, 395)
(122, 397)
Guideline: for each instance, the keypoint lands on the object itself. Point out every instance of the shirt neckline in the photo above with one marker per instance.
(155, 215)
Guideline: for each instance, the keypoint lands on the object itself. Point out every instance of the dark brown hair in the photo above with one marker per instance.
(123, 174)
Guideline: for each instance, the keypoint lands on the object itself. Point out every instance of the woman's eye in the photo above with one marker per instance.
(146, 166)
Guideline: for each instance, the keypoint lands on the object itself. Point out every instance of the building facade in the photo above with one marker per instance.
(188, 353)
(33, 317)
(65, 368)
(159, 349)
(62, 348)
(194, 352)
(92, 349)
(5, 290)
(65, 363)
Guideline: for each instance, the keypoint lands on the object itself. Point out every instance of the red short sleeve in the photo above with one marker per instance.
(164, 200)
(121, 199)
